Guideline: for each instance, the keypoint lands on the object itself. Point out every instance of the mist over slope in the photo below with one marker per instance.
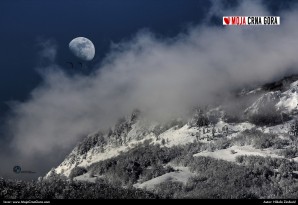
(271, 112)
(253, 154)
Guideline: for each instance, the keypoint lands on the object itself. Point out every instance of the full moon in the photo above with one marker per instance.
(82, 48)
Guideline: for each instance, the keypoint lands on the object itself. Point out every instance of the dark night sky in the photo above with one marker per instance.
(23, 23)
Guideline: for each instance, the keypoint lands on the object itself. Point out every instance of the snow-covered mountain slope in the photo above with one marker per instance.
(289, 99)
(98, 146)
(267, 99)
(285, 102)
(203, 127)
(138, 134)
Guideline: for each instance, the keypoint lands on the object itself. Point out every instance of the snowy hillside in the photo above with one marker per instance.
(138, 134)
(205, 134)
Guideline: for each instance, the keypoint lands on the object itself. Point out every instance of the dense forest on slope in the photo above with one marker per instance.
(248, 177)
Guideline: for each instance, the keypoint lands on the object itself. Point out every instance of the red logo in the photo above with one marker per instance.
(227, 20)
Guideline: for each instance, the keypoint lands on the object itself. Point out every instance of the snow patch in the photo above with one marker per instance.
(181, 175)
(85, 177)
(229, 155)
